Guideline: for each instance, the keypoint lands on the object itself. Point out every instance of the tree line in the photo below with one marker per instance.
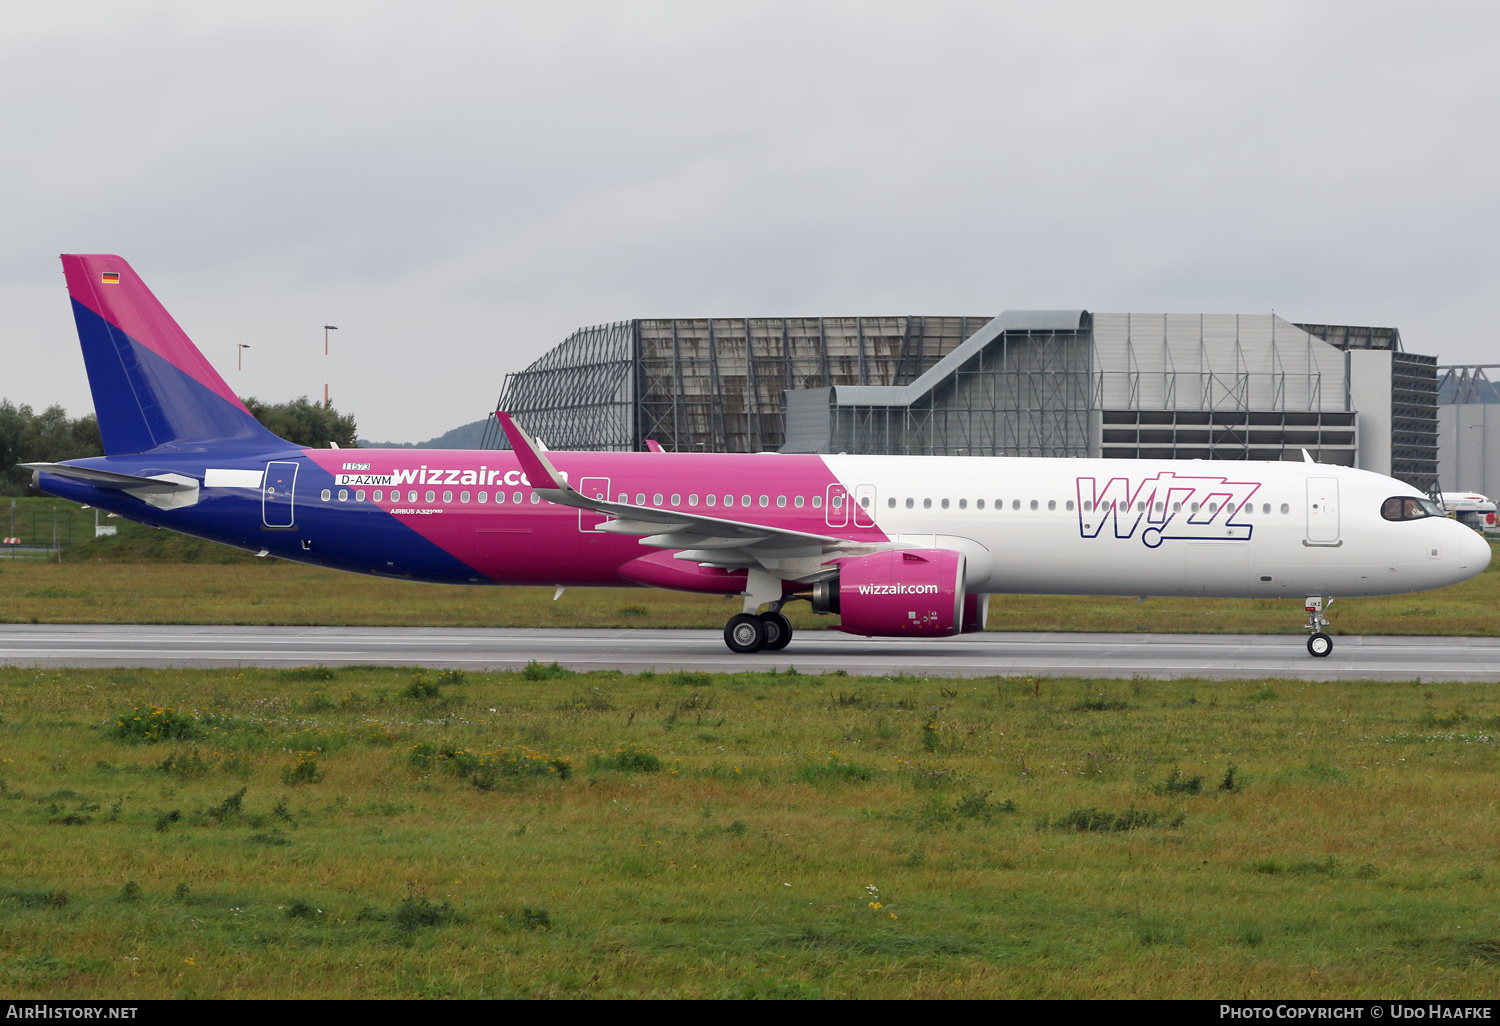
(51, 436)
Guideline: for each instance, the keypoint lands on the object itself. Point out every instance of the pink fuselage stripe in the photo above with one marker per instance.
(545, 543)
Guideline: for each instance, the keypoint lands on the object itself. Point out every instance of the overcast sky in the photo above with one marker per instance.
(459, 186)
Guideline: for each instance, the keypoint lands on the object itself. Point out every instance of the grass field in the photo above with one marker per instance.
(110, 589)
(393, 832)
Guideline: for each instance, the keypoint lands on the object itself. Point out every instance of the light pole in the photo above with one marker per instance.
(241, 347)
(326, 329)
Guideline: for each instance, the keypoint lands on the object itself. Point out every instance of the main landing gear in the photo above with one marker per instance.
(748, 632)
(1319, 644)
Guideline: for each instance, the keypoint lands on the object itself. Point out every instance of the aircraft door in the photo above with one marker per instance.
(592, 488)
(1323, 511)
(864, 506)
(277, 492)
(836, 506)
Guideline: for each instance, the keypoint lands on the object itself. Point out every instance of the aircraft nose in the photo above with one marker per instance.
(1474, 553)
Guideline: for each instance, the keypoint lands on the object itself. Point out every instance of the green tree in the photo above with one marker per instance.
(307, 423)
(30, 437)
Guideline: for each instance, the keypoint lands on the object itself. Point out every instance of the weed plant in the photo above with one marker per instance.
(745, 835)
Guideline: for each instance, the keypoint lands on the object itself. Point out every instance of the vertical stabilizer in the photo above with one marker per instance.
(152, 388)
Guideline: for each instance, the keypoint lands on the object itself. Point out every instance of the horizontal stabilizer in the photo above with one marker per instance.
(110, 479)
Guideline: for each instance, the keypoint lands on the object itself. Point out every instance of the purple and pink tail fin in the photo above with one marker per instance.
(152, 388)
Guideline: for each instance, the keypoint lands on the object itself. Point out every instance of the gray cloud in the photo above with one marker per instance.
(459, 186)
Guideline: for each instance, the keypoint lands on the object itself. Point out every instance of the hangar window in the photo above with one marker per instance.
(1405, 507)
(447, 496)
(327, 495)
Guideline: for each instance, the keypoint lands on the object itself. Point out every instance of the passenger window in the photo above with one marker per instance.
(1176, 507)
(1033, 504)
(890, 503)
(483, 497)
(1160, 507)
(963, 503)
(499, 498)
(764, 501)
(411, 496)
(1015, 503)
(378, 495)
(431, 496)
(910, 503)
(1194, 507)
(729, 500)
(1285, 508)
(710, 499)
(640, 498)
(979, 504)
(1070, 505)
(797, 501)
(693, 499)
(817, 502)
(1088, 507)
(1140, 507)
(447, 497)
(1265, 507)
(676, 499)
(656, 499)
(945, 503)
(745, 500)
(781, 502)
(1052, 504)
(1213, 507)
(463, 497)
(535, 498)
(343, 495)
(516, 498)
(327, 495)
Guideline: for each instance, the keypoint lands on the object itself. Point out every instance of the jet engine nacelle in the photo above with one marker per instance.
(899, 593)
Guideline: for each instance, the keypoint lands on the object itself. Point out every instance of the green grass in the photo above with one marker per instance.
(324, 835)
(257, 591)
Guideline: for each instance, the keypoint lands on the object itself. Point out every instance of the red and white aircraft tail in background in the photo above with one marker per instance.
(898, 546)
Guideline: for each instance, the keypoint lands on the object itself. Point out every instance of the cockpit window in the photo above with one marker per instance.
(1405, 507)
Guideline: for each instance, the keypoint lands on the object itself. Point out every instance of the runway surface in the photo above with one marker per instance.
(996, 654)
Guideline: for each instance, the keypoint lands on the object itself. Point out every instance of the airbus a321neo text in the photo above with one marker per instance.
(898, 546)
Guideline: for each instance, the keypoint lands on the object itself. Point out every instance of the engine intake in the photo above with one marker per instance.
(899, 593)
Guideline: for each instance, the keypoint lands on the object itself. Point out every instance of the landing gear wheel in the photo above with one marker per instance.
(745, 633)
(778, 631)
(1319, 644)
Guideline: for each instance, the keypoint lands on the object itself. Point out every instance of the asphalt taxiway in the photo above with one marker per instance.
(1217, 656)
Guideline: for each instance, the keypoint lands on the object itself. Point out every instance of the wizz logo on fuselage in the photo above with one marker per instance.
(1166, 506)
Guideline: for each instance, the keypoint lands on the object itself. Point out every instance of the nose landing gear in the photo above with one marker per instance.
(1319, 644)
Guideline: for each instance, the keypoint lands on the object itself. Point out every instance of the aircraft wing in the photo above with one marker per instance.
(705, 539)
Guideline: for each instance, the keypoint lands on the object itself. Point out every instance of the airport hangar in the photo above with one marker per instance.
(1025, 383)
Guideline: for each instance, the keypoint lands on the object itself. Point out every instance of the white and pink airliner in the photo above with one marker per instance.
(897, 546)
